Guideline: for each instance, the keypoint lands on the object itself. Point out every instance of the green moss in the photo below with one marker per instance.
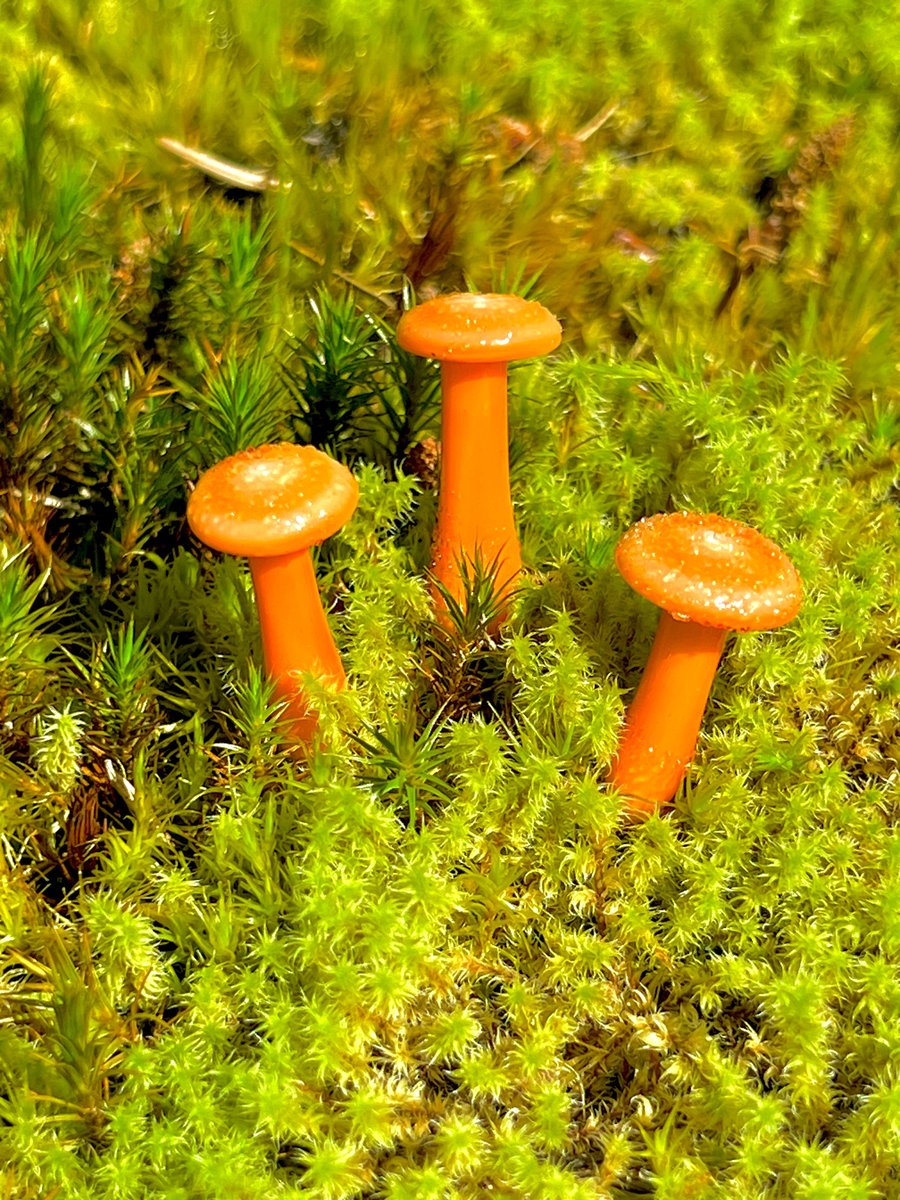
(433, 960)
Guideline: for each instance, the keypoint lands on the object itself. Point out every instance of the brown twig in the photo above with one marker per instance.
(222, 170)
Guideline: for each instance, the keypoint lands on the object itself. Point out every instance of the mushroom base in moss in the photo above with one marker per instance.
(475, 528)
(663, 720)
(304, 643)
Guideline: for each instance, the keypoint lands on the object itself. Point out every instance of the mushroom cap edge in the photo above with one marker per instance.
(272, 499)
(479, 327)
(710, 569)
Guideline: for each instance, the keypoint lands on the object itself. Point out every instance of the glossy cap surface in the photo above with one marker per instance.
(479, 327)
(712, 570)
(271, 500)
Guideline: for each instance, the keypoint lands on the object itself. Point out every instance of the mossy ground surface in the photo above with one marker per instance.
(434, 961)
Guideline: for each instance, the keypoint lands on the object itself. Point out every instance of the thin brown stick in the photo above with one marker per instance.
(228, 173)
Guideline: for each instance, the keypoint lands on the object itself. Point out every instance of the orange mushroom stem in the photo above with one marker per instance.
(272, 504)
(294, 632)
(710, 575)
(475, 512)
(475, 336)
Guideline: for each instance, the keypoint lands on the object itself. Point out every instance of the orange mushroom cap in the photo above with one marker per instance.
(272, 500)
(479, 327)
(709, 569)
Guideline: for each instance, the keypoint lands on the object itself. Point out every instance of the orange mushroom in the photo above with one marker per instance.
(709, 575)
(475, 336)
(272, 504)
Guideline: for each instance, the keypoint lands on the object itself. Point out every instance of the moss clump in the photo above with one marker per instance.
(433, 961)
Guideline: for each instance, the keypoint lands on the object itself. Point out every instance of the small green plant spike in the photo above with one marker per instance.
(37, 107)
(331, 378)
(56, 747)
